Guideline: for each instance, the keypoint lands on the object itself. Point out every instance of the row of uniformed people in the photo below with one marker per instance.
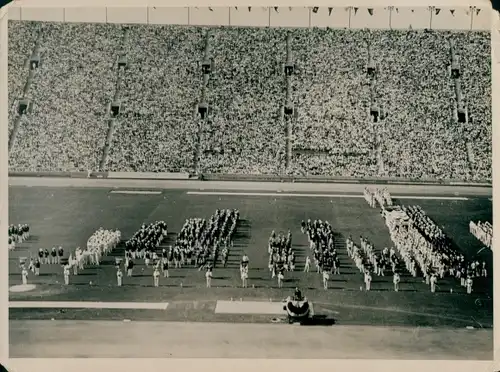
(19, 233)
(53, 256)
(431, 256)
(483, 231)
(376, 195)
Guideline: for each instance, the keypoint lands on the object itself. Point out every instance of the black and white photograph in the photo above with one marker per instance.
(250, 182)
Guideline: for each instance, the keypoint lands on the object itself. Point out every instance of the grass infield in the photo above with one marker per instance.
(68, 216)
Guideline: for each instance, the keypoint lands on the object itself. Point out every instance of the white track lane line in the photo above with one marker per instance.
(354, 196)
(135, 192)
(88, 305)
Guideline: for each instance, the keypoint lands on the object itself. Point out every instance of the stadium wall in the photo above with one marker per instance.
(249, 178)
(439, 18)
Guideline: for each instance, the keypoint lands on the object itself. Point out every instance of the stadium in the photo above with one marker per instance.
(233, 163)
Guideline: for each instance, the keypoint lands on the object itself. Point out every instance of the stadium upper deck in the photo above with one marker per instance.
(331, 132)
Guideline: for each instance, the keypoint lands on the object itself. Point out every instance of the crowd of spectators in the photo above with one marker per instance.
(160, 90)
(70, 91)
(159, 128)
(22, 38)
(474, 50)
(245, 133)
(331, 93)
(418, 138)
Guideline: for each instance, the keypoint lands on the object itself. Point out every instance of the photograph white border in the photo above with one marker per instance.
(222, 365)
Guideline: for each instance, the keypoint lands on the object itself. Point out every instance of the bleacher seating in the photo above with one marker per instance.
(159, 130)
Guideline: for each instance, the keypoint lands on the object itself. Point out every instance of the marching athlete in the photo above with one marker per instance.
(326, 276)
(336, 266)
(368, 280)
(74, 263)
(307, 265)
(156, 276)
(468, 283)
(245, 260)
(119, 277)
(130, 267)
(37, 266)
(66, 274)
(60, 254)
(53, 256)
(281, 277)
(24, 275)
(46, 256)
(433, 281)
(208, 276)
(165, 267)
(244, 276)
(396, 279)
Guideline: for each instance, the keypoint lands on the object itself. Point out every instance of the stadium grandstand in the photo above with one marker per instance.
(373, 127)
(275, 101)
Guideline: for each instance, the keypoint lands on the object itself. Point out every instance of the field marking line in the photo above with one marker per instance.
(135, 192)
(421, 197)
(394, 310)
(88, 305)
(355, 196)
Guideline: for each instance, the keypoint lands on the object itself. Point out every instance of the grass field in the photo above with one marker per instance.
(68, 216)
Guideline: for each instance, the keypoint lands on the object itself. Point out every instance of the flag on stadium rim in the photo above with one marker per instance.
(370, 10)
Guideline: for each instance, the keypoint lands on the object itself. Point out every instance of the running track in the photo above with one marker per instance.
(114, 339)
(253, 186)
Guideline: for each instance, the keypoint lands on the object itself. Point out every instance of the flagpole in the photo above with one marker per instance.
(430, 20)
(472, 9)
